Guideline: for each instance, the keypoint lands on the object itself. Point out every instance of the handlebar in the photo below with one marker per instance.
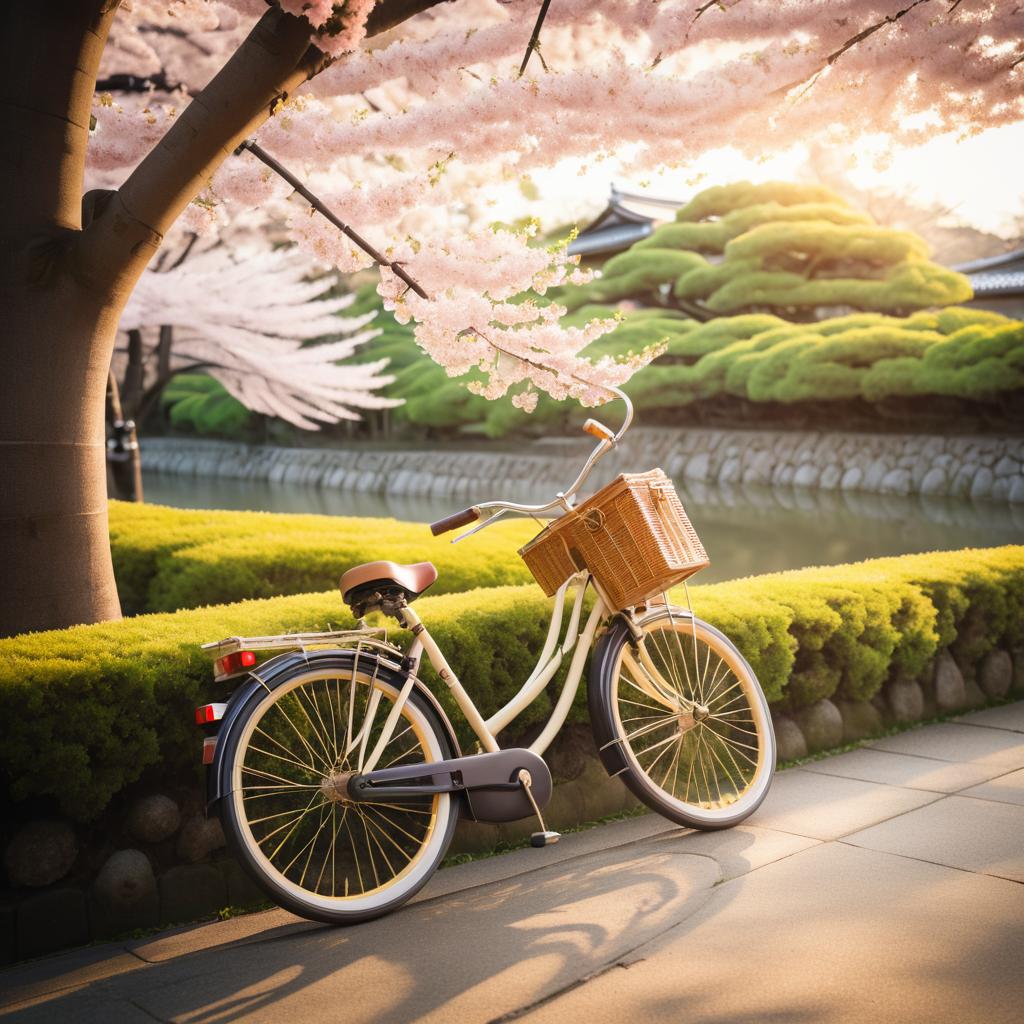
(453, 522)
(606, 441)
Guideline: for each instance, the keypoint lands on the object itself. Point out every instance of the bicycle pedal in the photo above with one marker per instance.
(539, 839)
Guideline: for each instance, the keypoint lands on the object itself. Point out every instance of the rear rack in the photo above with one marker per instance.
(301, 641)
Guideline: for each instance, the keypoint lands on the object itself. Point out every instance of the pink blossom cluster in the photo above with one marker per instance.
(244, 317)
(407, 135)
(340, 27)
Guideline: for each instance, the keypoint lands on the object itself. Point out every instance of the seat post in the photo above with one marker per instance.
(411, 621)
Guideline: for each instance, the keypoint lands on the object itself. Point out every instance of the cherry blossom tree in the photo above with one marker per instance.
(407, 115)
(243, 317)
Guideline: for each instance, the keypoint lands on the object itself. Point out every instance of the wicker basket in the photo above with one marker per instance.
(633, 536)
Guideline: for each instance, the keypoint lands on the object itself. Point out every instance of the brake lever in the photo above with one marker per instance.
(479, 526)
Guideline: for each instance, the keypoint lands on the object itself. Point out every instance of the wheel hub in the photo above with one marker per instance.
(334, 788)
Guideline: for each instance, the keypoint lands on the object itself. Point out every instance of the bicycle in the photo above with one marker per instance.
(338, 776)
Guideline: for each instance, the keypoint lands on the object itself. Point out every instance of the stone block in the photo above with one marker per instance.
(191, 891)
(41, 853)
(950, 692)
(934, 481)
(875, 474)
(973, 695)
(51, 920)
(852, 478)
(242, 890)
(153, 818)
(996, 674)
(822, 725)
(896, 481)
(1017, 490)
(789, 740)
(698, 468)
(905, 700)
(860, 719)
(962, 480)
(124, 895)
(981, 485)
(830, 477)
(806, 475)
(1017, 686)
(730, 471)
(200, 836)
(1007, 467)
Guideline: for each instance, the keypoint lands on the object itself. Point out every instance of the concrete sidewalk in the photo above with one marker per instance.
(882, 884)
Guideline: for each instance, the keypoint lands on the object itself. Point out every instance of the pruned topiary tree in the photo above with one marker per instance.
(795, 251)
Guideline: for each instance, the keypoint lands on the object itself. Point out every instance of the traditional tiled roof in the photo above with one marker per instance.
(997, 283)
(620, 224)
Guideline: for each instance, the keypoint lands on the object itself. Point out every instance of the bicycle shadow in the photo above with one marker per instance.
(475, 954)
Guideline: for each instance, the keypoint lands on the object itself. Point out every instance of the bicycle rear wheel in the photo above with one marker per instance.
(288, 816)
(680, 717)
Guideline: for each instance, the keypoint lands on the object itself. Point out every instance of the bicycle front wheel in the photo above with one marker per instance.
(288, 817)
(679, 716)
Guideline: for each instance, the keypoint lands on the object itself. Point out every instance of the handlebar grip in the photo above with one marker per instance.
(453, 522)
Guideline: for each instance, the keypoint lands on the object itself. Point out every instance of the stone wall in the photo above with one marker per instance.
(157, 860)
(978, 467)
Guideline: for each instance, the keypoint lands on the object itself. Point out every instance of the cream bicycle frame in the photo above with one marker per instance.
(577, 640)
(552, 655)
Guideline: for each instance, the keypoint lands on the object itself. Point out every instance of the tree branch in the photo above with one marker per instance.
(890, 19)
(534, 43)
(270, 64)
(49, 56)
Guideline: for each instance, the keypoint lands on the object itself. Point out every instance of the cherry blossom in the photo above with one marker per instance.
(408, 134)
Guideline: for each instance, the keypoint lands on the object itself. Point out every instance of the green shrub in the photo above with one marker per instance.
(89, 709)
(792, 249)
(166, 558)
(199, 403)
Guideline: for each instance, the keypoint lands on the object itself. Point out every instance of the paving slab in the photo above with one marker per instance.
(833, 935)
(958, 831)
(736, 850)
(953, 741)
(904, 770)
(474, 955)
(1007, 716)
(65, 971)
(1007, 788)
(826, 807)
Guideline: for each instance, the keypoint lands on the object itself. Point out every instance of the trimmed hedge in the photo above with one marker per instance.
(167, 558)
(89, 709)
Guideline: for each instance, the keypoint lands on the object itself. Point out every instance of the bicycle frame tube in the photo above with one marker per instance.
(547, 665)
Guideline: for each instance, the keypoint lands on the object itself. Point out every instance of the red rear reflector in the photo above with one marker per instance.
(209, 746)
(232, 664)
(209, 713)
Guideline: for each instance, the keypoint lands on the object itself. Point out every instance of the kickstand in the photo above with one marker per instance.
(544, 837)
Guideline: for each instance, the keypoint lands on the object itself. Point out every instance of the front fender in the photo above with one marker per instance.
(277, 670)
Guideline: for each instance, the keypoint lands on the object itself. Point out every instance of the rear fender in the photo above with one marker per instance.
(279, 669)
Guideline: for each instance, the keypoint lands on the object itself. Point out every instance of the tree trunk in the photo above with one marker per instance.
(68, 265)
(58, 331)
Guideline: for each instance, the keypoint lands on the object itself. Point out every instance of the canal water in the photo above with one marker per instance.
(746, 529)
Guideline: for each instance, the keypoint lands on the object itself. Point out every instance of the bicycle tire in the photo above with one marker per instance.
(421, 832)
(724, 749)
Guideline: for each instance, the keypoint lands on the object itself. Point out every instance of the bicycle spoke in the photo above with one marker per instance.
(643, 730)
